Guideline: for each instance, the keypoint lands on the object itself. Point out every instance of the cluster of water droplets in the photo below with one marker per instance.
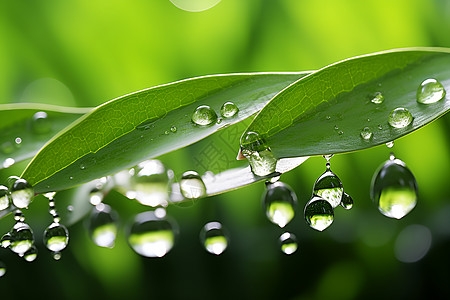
(204, 115)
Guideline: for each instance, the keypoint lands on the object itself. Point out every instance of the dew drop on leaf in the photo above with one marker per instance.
(400, 117)
(228, 110)
(378, 98)
(40, 123)
(214, 238)
(288, 243)
(151, 183)
(279, 202)
(204, 115)
(56, 237)
(4, 197)
(102, 225)
(258, 154)
(366, 133)
(430, 91)
(319, 213)
(173, 128)
(192, 185)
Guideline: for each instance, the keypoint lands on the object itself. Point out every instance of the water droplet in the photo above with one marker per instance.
(4, 197)
(279, 201)
(390, 144)
(173, 128)
(380, 127)
(288, 242)
(400, 117)
(195, 5)
(31, 254)
(22, 238)
(394, 189)
(340, 132)
(258, 154)
(22, 193)
(151, 236)
(347, 201)
(319, 213)
(41, 123)
(204, 115)
(18, 141)
(102, 225)
(214, 238)
(328, 117)
(8, 162)
(228, 110)
(56, 237)
(5, 242)
(366, 133)
(166, 132)
(57, 255)
(430, 91)
(328, 157)
(378, 98)
(151, 183)
(329, 187)
(192, 185)
(2, 269)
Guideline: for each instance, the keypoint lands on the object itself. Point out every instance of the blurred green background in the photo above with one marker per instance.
(83, 53)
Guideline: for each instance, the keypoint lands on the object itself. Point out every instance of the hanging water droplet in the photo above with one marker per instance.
(214, 238)
(151, 236)
(2, 269)
(394, 189)
(102, 225)
(5, 242)
(151, 183)
(228, 110)
(366, 133)
(347, 201)
(173, 128)
(258, 154)
(329, 187)
(319, 213)
(430, 91)
(31, 254)
(56, 237)
(4, 197)
(41, 123)
(22, 193)
(192, 185)
(378, 98)
(279, 202)
(22, 238)
(288, 242)
(204, 115)
(400, 117)
(56, 255)
(390, 144)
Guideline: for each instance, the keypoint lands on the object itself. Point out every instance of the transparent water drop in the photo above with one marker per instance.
(279, 202)
(366, 133)
(5, 242)
(319, 213)
(214, 238)
(2, 269)
(56, 237)
(22, 193)
(22, 238)
(102, 225)
(340, 132)
(228, 110)
(378, 98)
(288, 243)
(195, 5)
(394, 189)
(8, 162)
(390, 144)
(4, 197)
(192, 185)
(40, 123)
(329, 187)
(151, 183)
(151, 236)
(166, 132)
(56, 255)
(204, 115)
(173, 128)
(430, 91)
(258, 154)
(18, 142)
(400, 117)
(31, 254)
(347, 201)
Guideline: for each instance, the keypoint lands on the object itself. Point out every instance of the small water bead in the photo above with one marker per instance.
(22, 193)
(228, 110)
(378, 98)
(319, 213)
(430, 91)
(8, 162)
(204, 115)
(102, 225)
(347, 201)
(394, 189)
(400, 117)
(5, 242)
(390, 144)
(31, 254)
(288, 242)
(192, 185)
(166, 132)
(22, 238)
(4, 197)
(279, 202)
(56, 237)
(41, 123)
(340, 132)
(380, 127)
(151, 183)
(173, 128)
(329, 187)
(151, 236)
(366, 133)
(7, 148)
(56, 255)
(214, 238)
(258, 154)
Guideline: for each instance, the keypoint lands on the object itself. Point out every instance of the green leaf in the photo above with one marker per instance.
(23, 133)
(129, 129)
(324, 113)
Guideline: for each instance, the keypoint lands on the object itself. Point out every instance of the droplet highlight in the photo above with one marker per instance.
(41, 123)
(214, 238)
(430, 91)
(288, 243)
(400, 118)
(366, 133)
(378, 98)
(204, 115)
(279, 202)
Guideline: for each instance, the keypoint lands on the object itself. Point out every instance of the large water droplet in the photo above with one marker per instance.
(228, 110)
(195, 5)
(288, 242)
(394, 189)
(2, 269)
(22, 238)
(329, 187)
(430, 91)
(56, 237)
(4, 197)
(279, 202)
(41, 123)
(204, 115)
(258, 154)
(31, 254)
(214, 238)
(319, 213)
(400, 117)
(151, 236)
(151, 183)
(378, 98)
(347, 201)
(366, 133)
(103, 225)
(192, 185)
(22, 193)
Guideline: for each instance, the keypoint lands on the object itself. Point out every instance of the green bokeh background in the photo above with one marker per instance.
(83, 53)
